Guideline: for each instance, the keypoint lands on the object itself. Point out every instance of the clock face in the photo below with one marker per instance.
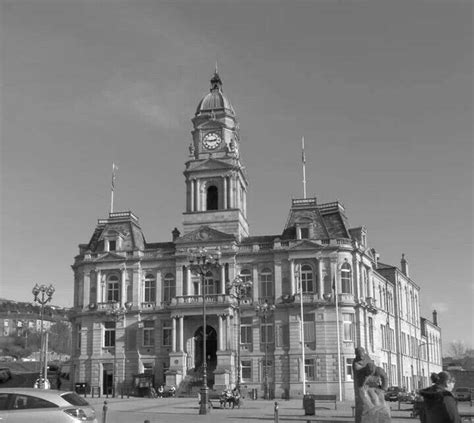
(211, 141)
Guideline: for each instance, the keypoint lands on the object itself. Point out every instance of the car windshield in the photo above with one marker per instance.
(74, 399)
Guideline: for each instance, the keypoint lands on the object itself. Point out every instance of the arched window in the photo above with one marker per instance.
(150, 288)
(346, 278)
(113, 288)
(266, 283)
(212, 202)
(307, 278)
(169, 287)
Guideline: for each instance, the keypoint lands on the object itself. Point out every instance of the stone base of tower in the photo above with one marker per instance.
(228, 221)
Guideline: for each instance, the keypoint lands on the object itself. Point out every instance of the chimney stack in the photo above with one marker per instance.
(435, 317)
(404, 266)
(175, 233)
(376, 256)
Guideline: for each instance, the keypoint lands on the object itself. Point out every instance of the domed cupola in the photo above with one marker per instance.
(215, 101)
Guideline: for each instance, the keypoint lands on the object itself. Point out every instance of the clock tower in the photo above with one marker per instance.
(216, 181)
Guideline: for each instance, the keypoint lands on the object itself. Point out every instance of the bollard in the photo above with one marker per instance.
(146, 421)
(276, 412)
(104, 412)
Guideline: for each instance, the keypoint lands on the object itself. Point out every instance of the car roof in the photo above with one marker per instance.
(41, 393)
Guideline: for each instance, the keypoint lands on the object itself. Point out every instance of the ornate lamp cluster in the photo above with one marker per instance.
(202, 261)
(43, 295)
(265, 310)
(240, 289)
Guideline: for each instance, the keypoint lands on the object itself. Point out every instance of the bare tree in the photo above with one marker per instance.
(457, 349)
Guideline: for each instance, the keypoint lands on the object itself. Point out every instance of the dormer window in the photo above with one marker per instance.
(112, 245)
(304, 233)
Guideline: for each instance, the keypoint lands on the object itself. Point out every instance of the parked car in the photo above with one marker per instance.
(404, 396)
(462, 394)
(393, 393)
(19, 405)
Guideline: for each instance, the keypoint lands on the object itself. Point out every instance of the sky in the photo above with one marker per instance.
(382, 92)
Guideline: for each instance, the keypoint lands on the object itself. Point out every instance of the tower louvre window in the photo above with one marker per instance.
(212, 198)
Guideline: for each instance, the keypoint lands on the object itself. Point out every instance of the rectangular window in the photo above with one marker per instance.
(266, 333)
(148, 368)
(113, 293)
(150, 291)
(349, 375)
(282, 335)
(246, 331)
(309, 369)
(148, 333)
(348, 322)
(304, 233)
(309, 328)
(109, 334)
(371, 333)
(246, 370)
(112, 245)
(167, 333)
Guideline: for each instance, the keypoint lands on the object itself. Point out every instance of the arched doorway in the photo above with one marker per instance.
(211, 351)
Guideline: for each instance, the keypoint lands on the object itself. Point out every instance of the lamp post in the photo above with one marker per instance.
(239, 288)
(201, 262)
(264, 310)
(43, 295)
(116, 314)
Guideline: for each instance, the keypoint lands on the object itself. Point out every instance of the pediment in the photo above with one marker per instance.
(211, 164)
(305, 244)
(110, 257)
(205, 234)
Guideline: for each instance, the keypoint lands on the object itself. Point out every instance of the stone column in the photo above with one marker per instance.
(320, 278)
(123, 285)
(181, 334)
(221, 332)
(292, 277)
(335, 275)
(198, 195)
(228, 332)
(222, 282)
(173, 334)
(87, 288)
(224, 192)
(256, 285)
(277, 282)
(100, 287)
(179, 280)
(188, 280)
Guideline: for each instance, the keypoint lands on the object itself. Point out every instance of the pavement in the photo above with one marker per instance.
(186, 410)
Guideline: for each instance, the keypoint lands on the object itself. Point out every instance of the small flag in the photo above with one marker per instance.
(303, 156)
(114, 168)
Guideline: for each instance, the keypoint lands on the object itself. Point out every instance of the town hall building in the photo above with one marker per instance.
(314, 291)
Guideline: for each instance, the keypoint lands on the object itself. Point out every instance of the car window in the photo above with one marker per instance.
(23, 402)
(74, 399)
(3, 401)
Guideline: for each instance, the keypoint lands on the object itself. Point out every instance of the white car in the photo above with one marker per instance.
(19, 405)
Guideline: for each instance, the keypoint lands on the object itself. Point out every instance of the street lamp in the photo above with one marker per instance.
(116, 314)
(264, 310)
(201, 262)
(240, 289)
(42, 295)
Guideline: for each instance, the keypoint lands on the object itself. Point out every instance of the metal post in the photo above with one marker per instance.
(275, 413)
(104, 412)
(204, 389)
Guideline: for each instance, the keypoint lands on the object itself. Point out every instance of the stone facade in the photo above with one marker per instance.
(139, 306)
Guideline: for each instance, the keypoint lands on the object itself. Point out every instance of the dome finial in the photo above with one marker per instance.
(216, 82)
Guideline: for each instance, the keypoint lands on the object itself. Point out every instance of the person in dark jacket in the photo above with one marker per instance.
(440, 406)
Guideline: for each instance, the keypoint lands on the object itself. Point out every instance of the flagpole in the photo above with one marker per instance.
(303, 158)
(112, 188)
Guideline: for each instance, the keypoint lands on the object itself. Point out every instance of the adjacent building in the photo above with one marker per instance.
(138, 306)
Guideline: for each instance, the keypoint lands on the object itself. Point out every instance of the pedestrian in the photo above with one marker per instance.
(440, 406)
(58, 381)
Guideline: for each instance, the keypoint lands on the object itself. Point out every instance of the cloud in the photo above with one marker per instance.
(140, 99)
(440, 307)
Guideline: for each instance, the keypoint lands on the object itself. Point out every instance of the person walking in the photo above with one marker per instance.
(440, 406)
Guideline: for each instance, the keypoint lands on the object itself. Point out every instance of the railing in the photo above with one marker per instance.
(197, 299)
(303, 202)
